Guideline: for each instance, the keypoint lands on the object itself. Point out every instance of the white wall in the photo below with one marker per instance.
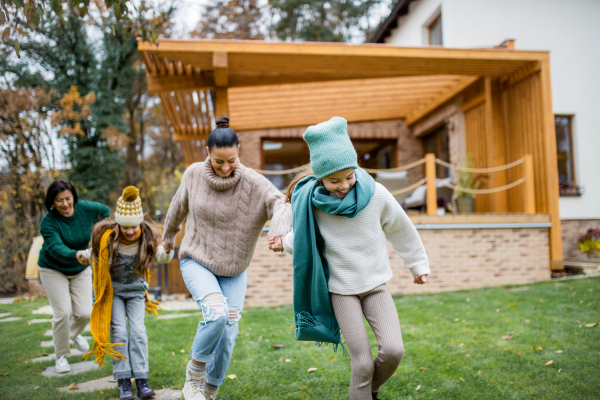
(570, 30)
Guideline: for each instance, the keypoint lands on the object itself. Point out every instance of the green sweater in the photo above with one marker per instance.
(65, 236)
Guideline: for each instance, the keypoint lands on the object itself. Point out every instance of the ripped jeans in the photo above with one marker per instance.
(221, 299)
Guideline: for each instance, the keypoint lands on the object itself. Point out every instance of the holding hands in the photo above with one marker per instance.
(167, 246)
(421, 279)
(276, 243)
(82, 258)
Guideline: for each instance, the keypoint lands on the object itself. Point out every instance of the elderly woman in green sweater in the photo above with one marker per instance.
(226, 206)
(64, 270)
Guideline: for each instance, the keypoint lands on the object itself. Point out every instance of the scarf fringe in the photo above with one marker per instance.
(304, 320)
(335, 347)
(100, 349)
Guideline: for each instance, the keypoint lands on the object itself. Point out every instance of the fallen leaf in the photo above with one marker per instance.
(418, 387)
(172, 353)
(312, 370)
(182, 351)
(578, 321)
(302, 387)
(558, 351)
(288, 360)
(332, 358)
(560, 369)
(260, 338)
(468, 299)
(591, 325)
(528, 321)
(509, 336)
(4, 374)
(277, 345)
(510, 383)
(456, 319)
(73, 386)
(461, 379)
(461, 345)
(478, 373)
(423, 369)
(497, 310)
(232, 376)
(537, 348)
(518, 354)
(44, 354)
(549, 362)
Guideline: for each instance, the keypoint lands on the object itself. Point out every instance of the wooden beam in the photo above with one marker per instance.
(221, 103)
(417, 115)
(161, 84)
(221, 69)
(197, 135)
(431, 198)
(551, 174)
(524, 72)
(474, 102)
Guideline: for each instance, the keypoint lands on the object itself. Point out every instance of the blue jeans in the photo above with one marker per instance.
(217, 334)
(129, 304)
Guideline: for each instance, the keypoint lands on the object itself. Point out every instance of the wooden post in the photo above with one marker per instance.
(551, 173)
(222, 103)
(431, 189)
(529, 185)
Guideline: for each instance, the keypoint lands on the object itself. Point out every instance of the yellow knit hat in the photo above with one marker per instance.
(129, 208)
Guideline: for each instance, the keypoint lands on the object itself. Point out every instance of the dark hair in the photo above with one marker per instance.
(56, 187)
(223, 135)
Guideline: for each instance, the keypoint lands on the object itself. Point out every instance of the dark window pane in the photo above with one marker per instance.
(564, 148)
(435, 32)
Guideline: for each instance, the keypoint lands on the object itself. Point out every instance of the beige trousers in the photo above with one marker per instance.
(71, 301)
(377, 305)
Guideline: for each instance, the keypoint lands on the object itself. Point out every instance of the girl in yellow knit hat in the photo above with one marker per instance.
(123, 250)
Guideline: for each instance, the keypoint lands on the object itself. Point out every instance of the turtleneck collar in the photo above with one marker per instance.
(218, 182)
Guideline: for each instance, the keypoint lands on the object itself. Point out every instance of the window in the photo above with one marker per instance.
(437, 142)
(564, 155)
(435, 31)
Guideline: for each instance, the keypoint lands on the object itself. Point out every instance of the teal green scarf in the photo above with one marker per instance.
(313, 312)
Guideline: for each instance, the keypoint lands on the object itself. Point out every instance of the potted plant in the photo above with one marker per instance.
(590, 243)
(465, 201)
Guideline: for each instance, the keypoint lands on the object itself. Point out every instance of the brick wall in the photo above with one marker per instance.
(409, 149)
(460, 259)
(571, 230)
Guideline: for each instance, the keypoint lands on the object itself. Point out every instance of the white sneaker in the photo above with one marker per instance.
(62, 365)
(194, 386)
(81, 344)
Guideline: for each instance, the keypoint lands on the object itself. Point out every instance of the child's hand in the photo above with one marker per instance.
(81, 258)
(276, 243)
(421, 279)
(167, 247)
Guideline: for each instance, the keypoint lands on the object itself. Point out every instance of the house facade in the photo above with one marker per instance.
(569, 31)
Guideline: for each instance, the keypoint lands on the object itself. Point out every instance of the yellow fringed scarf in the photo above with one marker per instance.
(102, 310)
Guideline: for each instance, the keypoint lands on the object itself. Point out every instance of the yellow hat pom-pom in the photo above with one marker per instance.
(130, 193)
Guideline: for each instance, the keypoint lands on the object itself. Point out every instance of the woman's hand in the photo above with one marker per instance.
(421, 279)
(81, 258)
(276, 243)
(167, 247)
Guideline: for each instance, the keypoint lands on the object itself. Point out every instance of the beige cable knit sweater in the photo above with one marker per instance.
(225, 216)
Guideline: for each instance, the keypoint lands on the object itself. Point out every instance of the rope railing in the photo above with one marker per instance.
(483, 191)
(398, 169)
(409, 188)
(480, 170)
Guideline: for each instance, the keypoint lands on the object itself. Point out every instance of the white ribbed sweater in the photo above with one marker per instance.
(356, 248)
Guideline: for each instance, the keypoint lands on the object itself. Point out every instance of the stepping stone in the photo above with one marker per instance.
(7, 300)
(44, 310)
(76, 368)
(97, 384)
(50, 357)
(38, 321)
(48, 332)
(9, 319)
(173, 316)
(50, 343)
(179, 305)
(5, 314)
(165, 394)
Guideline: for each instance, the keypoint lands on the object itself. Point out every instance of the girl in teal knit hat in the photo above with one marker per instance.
(342, 222)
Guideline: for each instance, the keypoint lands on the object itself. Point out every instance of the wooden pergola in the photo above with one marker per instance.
(506, 97)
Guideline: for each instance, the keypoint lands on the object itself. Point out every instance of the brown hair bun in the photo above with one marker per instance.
(222, 122)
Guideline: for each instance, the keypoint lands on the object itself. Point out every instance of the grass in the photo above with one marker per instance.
(454, 350)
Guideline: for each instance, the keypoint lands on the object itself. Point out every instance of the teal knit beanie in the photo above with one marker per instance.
(330, 147)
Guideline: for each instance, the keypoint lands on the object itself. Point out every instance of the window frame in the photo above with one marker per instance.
(436, 19)
(578, 191)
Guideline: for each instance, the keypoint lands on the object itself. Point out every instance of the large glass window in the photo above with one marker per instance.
(438, 143)
(564, 148)
(283, 154)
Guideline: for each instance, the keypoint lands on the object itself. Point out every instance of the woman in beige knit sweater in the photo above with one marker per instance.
(226, 206)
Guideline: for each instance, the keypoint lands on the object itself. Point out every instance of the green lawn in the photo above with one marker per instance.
(453, 340)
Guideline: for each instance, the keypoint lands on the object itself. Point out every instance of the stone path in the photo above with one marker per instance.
(10, 319)
(50, 343)
(44, 310)
(7, 300)
(76, 368)
(4, 314)
(51, 357)
(179, 305)
(98, 384)
(173, 316)
(38, 321)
